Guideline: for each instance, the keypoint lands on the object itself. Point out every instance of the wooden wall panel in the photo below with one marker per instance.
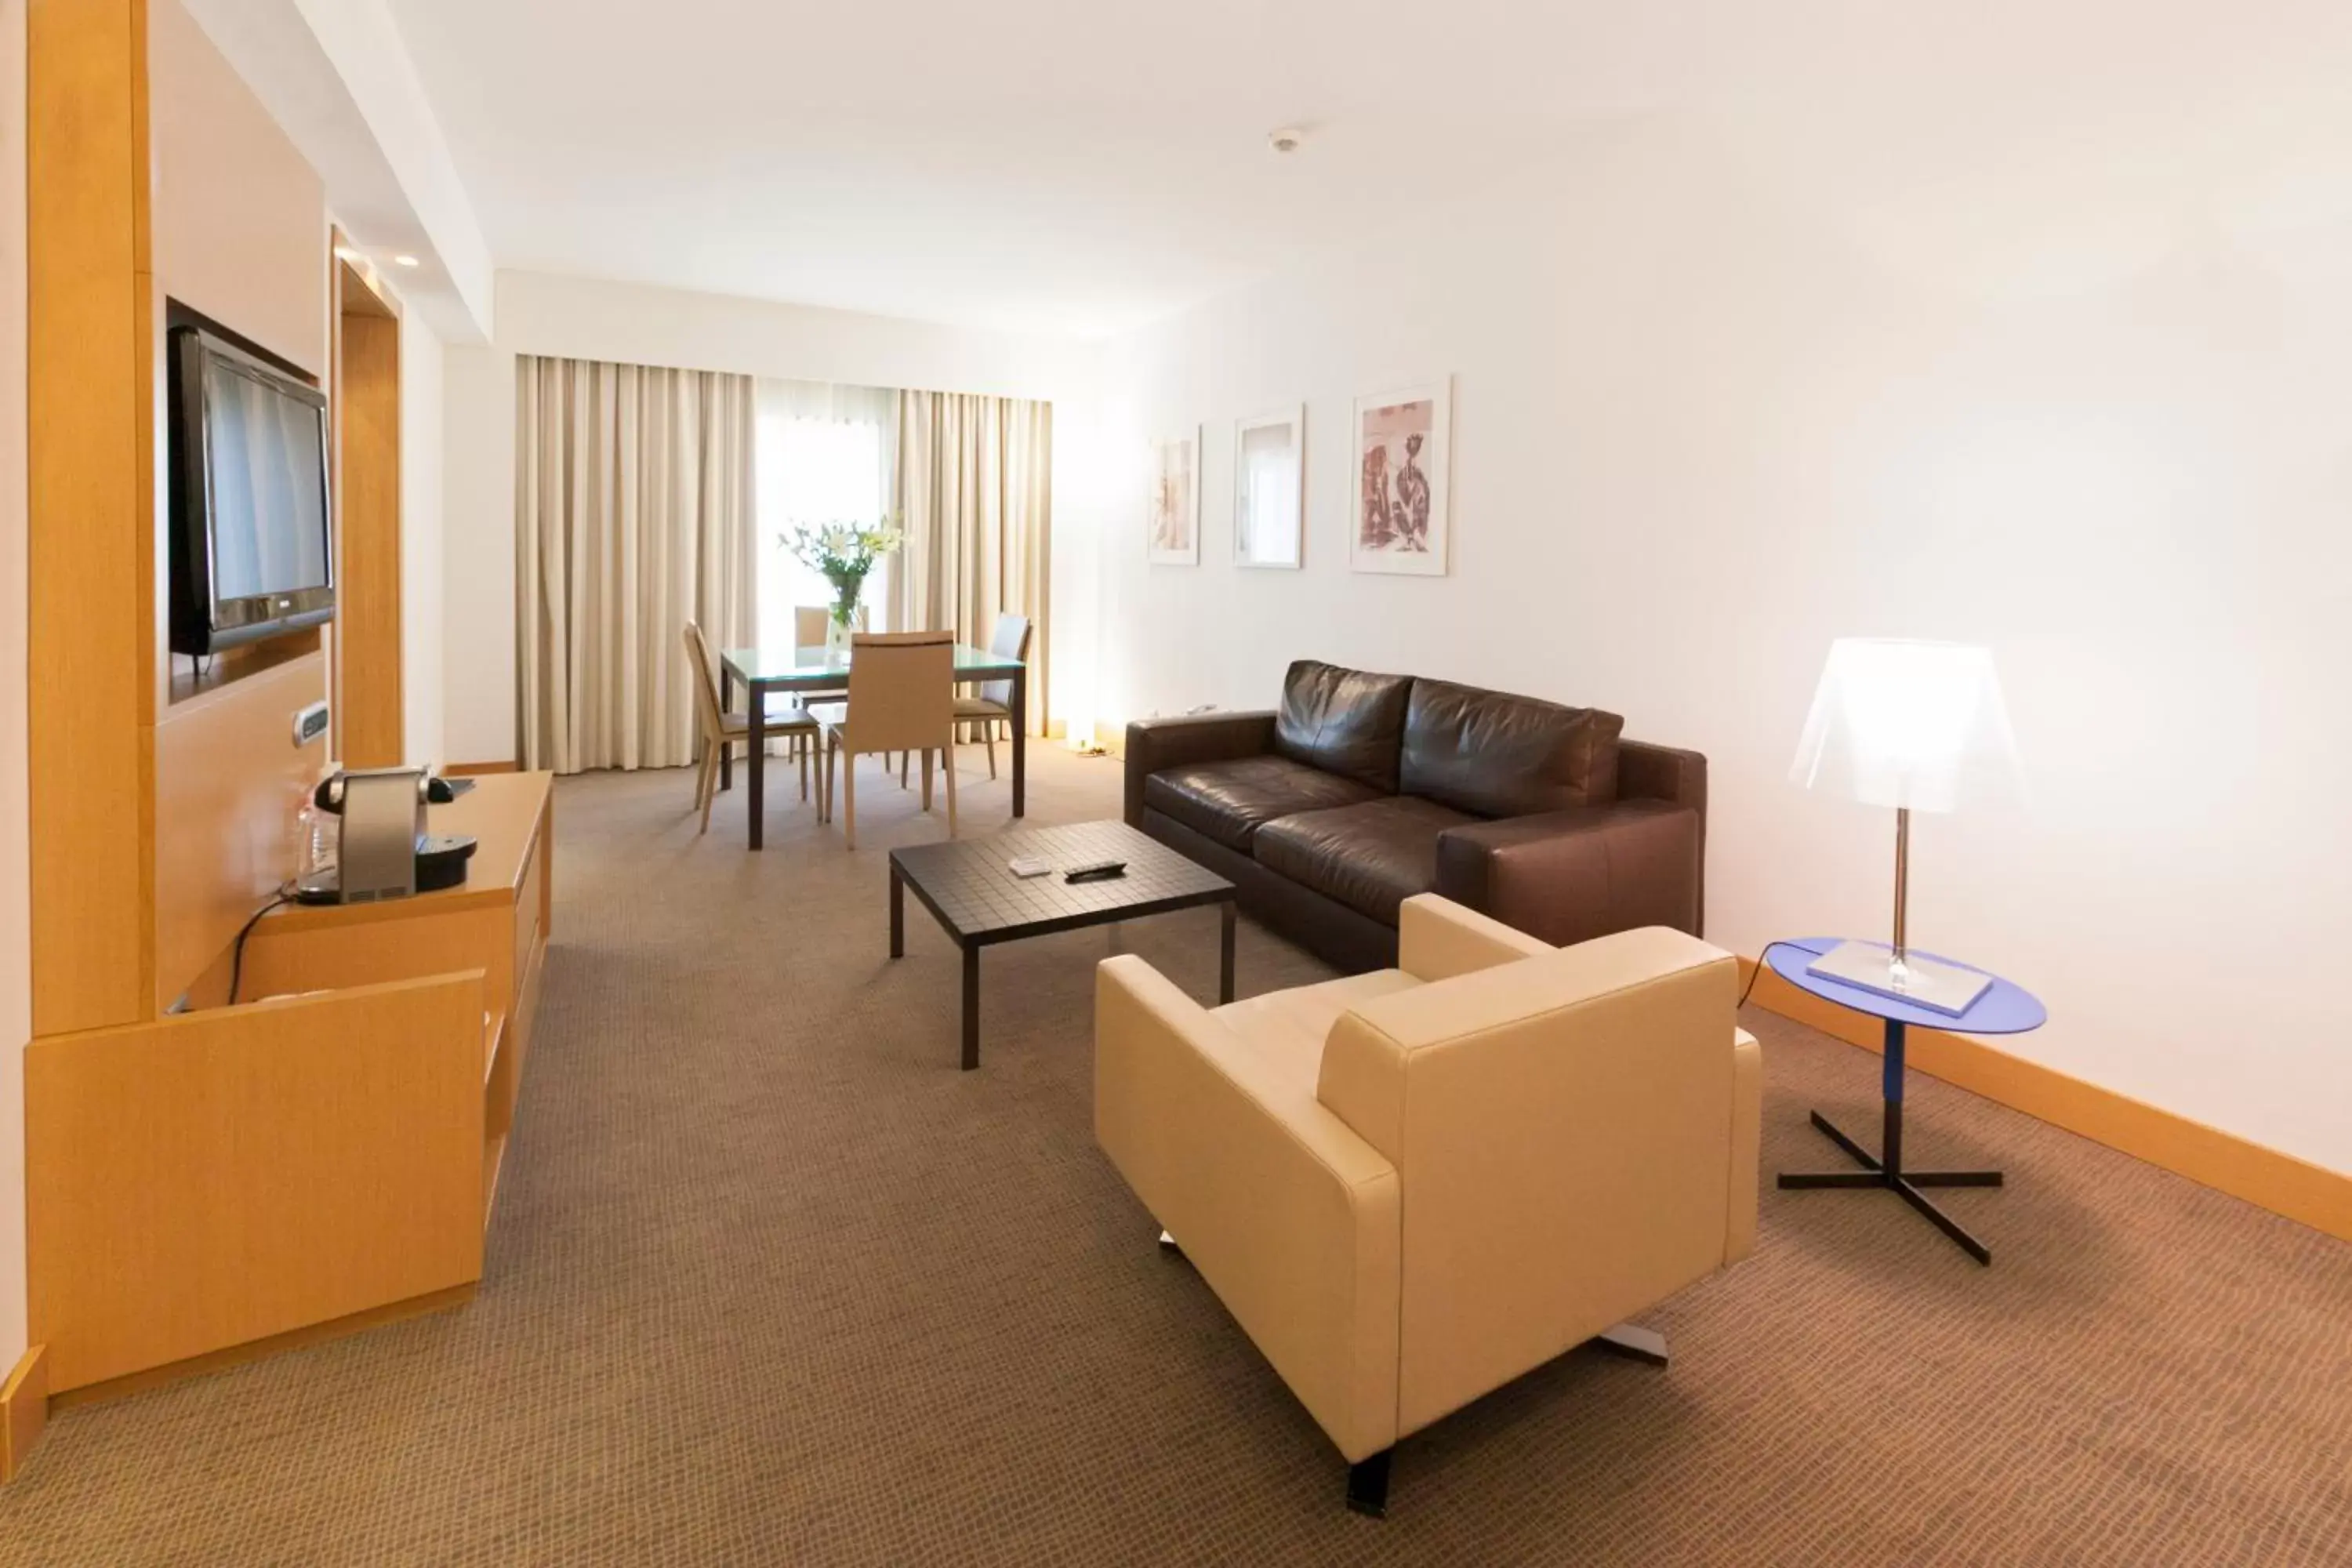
(91, 480)
(217, 1177)
(229, 782)
(370, 726)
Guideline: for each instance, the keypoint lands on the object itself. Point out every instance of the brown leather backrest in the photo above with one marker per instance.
(1344, 722)
(901, 696)
(1496, 755)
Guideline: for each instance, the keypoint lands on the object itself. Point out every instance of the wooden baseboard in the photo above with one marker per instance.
(254, 1350)
(468, 770)
(24, 1411)
(2266, 1178)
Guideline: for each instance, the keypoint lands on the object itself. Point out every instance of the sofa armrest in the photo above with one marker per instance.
(1156, 743)
(1438, 939)
(1746, 1141)
(1293, 1220)
(1566, 876)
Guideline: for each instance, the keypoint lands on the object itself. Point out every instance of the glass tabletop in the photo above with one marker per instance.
(812, 666)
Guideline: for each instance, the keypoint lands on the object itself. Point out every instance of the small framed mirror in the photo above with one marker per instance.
(1269, 488)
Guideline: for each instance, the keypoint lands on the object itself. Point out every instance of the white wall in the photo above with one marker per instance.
(422, 589)
(584, 318)
(1709, 416)
(477, 561)
(630, 324)
(15, 882)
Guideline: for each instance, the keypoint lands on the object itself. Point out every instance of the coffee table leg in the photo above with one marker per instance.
(1226, 951)
(898, 911)
(971, 1007)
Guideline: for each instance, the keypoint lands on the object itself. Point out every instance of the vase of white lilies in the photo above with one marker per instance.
(843, 553)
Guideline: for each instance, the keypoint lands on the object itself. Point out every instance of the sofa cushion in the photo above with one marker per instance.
(1226, 801)
(1370, 857)
(1344, 722)
(1497, 755)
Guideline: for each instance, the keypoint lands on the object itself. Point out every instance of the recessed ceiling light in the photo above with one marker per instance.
(404, 261)
(1286, 137)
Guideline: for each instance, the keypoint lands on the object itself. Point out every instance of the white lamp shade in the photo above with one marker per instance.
(1917, 725)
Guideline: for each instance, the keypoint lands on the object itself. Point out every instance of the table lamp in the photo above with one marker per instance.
(1915, 726)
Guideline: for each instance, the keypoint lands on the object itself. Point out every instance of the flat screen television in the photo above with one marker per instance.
(252, 546)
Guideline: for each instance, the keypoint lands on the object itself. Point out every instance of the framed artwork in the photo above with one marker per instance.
(1402, 440)
(1175, 506)
(1269, 470)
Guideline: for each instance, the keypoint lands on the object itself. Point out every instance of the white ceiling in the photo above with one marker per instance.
(1083, 165)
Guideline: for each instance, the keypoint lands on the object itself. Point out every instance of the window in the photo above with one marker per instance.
(822, 456)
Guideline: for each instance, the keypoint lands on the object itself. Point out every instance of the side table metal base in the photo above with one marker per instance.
(1887, 1173)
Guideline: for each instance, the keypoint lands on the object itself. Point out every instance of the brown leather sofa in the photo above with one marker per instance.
(1363, 790)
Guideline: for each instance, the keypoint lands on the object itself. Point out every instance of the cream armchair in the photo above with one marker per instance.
(1411, 1186)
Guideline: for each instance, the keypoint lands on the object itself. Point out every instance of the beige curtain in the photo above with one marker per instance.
(632, 515)
(976, 493)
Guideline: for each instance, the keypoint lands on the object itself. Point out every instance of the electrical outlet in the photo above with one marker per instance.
(310, 723)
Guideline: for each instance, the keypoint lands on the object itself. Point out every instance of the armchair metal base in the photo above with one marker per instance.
(1367, 1486)
(1368, 1478)
(1633, 1342)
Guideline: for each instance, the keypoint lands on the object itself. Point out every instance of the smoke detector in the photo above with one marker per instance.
(1285, 138)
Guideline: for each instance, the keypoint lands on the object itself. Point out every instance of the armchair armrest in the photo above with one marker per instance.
(1566, 876)
(1291, 1217)
(1156, 743)
(1437, 938)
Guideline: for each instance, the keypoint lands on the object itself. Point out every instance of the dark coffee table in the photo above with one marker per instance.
(980, 902)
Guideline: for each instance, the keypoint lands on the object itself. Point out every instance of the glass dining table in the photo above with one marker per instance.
(761, 671)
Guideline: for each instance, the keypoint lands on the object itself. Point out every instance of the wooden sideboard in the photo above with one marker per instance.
(219, 1183)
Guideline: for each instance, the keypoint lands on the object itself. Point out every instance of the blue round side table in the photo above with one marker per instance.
(2003, 1009)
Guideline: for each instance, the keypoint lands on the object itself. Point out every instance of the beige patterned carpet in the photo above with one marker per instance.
(771, 1281)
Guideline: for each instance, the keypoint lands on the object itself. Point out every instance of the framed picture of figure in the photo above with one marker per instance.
(1403, 441)
(1174, 502)
(1269, 472)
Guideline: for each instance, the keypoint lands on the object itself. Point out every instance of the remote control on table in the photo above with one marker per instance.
(1100, 871)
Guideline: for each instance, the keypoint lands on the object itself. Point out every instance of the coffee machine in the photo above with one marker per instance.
(383, 850)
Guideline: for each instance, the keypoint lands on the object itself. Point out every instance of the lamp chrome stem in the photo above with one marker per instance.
(1902, 883)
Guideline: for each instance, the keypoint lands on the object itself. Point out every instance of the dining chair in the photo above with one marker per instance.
(810, 626)
(901, 699)
(722, 729)
(993, 706)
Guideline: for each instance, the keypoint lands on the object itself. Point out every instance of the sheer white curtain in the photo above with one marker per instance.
(825, 453)
(975, 479)
(632, 515)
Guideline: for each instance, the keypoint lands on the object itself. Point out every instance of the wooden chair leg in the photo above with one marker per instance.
(946, 760)
(849, 800)
(927, 779)
(988, 734)
(902, 767)
(800, 746)
(710, 782)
